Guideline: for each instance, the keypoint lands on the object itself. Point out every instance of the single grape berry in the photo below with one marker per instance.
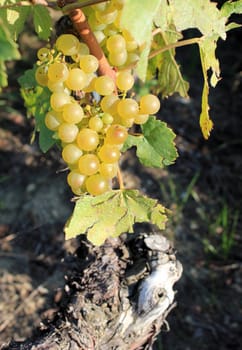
(109, 153)
(58, 72)
(87, 139)
(67, 44)
(97, 184)
(67, 132)
(88, 164)
(116, 134)
(71, 153)
(149, 104)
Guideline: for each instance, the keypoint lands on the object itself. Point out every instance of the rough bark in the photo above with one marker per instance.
(116, 297)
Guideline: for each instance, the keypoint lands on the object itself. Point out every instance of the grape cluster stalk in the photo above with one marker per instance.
(91, 114)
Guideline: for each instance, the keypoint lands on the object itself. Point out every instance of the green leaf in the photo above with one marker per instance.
(170, 78)
(42, 21)
(201, 14)
(9, 49)
(3, 75)
(36, 100)
(229, 8)
(155, 148)
(137, 17)
(15, 18)
(112, 214)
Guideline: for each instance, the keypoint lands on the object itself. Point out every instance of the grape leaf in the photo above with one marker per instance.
(206, 123)
(155, 148)
(9, 49)
(201, 14)
(137, 17)
(36, 100)
(113, 213)
(15, 18)
(229, 8)
(42, 21)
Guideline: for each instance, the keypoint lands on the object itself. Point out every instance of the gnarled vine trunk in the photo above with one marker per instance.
(117, 296)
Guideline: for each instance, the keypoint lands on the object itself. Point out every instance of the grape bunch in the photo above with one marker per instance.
(89, 114)
(119, 46)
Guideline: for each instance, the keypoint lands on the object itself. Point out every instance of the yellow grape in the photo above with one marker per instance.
(67, 44)
(53, 120)
(82, 49)
(95, 123)
(58, 100)
(75, 180)
(109, 103)
(116, 134)
(106, 17)
(73, 113)
(149, 104)
(43, 53)
(100, 36)
(88, 164)
(97, 184)
(41, 75)
(141, 118)
(109, 153)
(87, 139)
(89, 63)
(55, 87)
(67, 132)
(128, 108)
(58, 72)
(71, 153)
(107, 118)
(116, 43)
(108, 170)
(77, 79)
(125, 81)
(118, 58)
(104, 85)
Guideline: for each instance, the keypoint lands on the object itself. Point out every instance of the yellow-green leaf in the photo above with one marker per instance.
(113, 213)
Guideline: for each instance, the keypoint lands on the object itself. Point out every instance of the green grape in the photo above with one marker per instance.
(125, 80)
(110, 30)
(41, 75)
(131, 45)
(109, 103)
(58, 72)
(97, 184)
(58, 100)
(77, 79)
(108, 170)
(127, 122)
(149, 104)
(118, 58)
(104, 85)
(43, 54)
(88, 164)
(75, 180)
(87, 139)
(107, 118)
(109, 153)
(100, 7)
(71, 153)
(132, 59)
(95, 123)
(67, 44)
(89, 63)
(128, 108)
(107, 16)
(82, 49)
(141, 118)
(53, 120)
(116, 134)
(67, 132)
(116, 43)
(119, 4)
(73, 113)
(94, 23)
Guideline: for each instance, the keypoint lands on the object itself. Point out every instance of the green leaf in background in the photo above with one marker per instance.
(155, 148)
(8, 48)
(229, 8)
(112, 214)
(3, 75)
(36, 100)
(15, 18)
(201, 14)
(42, 21)
(137, 17)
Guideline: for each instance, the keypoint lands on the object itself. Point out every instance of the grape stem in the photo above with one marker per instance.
(120, 179)
(81, 25)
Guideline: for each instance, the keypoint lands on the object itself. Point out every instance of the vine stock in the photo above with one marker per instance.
(81, 94)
